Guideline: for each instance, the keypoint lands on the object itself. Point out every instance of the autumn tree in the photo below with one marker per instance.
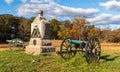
(24, 28)
(54, 28)
(79, 28)
(13, 27)
(93, 31)
(8, 26)
(105, 34)
(65, 29)
(115, 36)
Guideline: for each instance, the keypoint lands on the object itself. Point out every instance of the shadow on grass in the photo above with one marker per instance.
(108, 58)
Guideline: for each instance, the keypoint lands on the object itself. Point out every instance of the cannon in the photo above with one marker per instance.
(91, 49)
(15, 43)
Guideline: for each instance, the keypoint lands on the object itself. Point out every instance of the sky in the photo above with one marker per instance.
(102, 13)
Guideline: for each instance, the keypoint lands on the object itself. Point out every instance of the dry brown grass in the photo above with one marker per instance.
(109, 48)
(57, 44)
(3, 47)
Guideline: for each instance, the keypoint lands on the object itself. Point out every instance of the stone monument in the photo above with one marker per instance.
(40, 42)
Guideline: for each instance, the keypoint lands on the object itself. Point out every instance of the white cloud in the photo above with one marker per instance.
(105, 19)
(111, 5)
(36, 1)
(101, 19)
(24, 1)
(53, 9)
(115, 19)
(8, 1)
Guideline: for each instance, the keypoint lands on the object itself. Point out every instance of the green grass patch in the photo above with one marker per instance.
(18, 61)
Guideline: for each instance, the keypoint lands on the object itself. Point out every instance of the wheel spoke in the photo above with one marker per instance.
(64, 45)
(90, 43)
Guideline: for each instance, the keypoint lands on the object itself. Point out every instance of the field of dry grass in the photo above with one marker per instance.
(3, 47)
(109, 48)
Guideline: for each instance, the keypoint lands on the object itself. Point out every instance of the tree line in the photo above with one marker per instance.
(78, 28)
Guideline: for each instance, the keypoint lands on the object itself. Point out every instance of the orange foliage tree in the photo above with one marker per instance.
(79, 28)
(93, 31)
(115, 36)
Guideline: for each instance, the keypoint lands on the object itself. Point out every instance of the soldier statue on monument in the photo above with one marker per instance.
(44, 26)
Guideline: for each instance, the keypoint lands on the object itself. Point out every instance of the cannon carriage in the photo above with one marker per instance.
(15, 43)
(91, 48)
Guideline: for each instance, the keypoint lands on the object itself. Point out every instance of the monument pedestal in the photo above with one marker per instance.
(40, 46)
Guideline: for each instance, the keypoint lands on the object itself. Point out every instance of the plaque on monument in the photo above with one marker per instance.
(40, 42)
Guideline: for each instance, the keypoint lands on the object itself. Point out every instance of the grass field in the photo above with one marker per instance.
(19, 61)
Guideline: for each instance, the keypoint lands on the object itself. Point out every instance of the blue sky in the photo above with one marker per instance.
(98, 12)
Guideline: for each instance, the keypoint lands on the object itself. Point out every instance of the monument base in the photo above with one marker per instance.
(35, 50)
(40, 46)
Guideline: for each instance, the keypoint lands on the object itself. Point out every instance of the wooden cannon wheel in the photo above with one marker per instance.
(67, 50)
(11, 45)
(92, 50)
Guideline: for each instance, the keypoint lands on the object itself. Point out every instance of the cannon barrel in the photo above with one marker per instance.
(14, 40)
(10, 41)
(72, 41)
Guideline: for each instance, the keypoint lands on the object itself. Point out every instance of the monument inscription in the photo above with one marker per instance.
(40, 42)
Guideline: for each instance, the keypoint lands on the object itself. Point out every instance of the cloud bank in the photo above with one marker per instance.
(105, 19)
(111, 5)
(53, 10)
